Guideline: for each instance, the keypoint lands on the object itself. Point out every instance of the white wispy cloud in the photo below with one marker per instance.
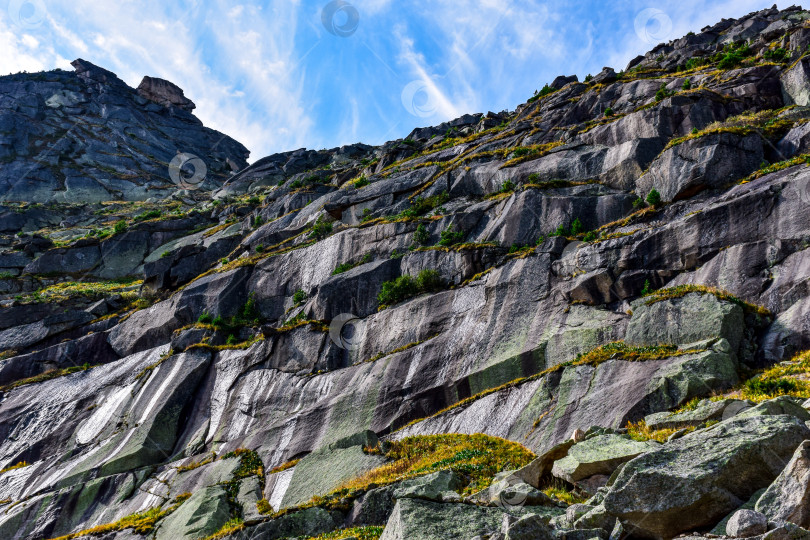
(269, 74)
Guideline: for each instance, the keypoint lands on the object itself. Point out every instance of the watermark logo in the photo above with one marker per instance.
(27, 13)
(187, 171)
(419, 100)
(340, 18)
(346, 331)
(653, 26)
(507, 494)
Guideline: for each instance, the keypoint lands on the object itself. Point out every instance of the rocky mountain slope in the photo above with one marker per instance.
(582, 319)
(87, 137)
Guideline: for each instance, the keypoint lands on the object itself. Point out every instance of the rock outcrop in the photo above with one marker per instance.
(87, 137)
(581, 319)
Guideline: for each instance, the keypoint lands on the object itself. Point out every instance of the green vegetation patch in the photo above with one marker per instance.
(682, 290)
(68, 290)
(141, 522)
(360, 533)
(477, 458)
(407, 286)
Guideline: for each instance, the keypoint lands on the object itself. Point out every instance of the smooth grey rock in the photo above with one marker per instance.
(788, 498)
(599, 455)
(430, 487)
(692, 318)
(706, 410)
(698, 164)
(306, 523)
(414, 519)
(327, 468)
(795, 82)
(779, 405)
(694, 481)
(746, 523)
(529, 527)
(201, 515)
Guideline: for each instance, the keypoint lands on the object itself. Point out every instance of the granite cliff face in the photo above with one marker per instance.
(615, 276)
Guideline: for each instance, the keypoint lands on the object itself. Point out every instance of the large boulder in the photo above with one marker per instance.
(745, 523)
(201, 515)
(692, 318)
(694, 481)
(708, 162)
(796, 83)
(165, 93)
(599, 455)
(788, 498)
(327, 468)
(415, 519)
(705, 411)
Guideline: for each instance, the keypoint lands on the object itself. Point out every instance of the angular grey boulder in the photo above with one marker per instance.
(529, 527)
(706, 410)
(745, 523)
(201, 515)
(694, 481)
(796, 83)
(788, 498)
(430, 487)
(414, 519)
(598, 455)
(680, 321)
(327, 468)
(711, 161)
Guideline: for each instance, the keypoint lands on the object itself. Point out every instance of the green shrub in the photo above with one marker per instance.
(609, 112)
(404, 287)
(341, 268)
(546, 90)
(231, 340)
(397, 290)
(577, 227)
(149, 214)
(258, 221)
(637, 202)
(321, 229)
(590, 236)
(429, 281)
(507, 187)
(449, 237)
(259, 248)
(120, 226)
(361, 182)
(776, 55)
(647, 289)
(771, 387)
(254, 200)
(687, 84)
(250, 311)
(654, 198)
(421, 206)
(560, 231)
(299, 297)
(421, 236)
(734, 55)
(663, 93)
(205, 318)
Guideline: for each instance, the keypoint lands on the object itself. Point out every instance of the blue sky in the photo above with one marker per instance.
(281, 75)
